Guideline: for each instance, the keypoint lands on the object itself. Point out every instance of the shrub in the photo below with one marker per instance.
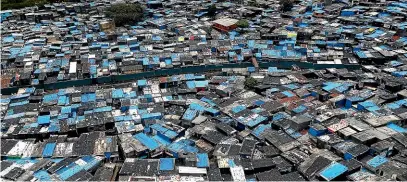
(250, 82)
(212, 10)
(123, 14)
(242, 24)
(18, 4)
(286, 5)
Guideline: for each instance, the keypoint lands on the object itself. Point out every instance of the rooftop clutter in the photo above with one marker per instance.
(293, 125)
(76, 44)
(166, 100)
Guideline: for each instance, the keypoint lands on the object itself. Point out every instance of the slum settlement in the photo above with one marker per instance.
(316, 93)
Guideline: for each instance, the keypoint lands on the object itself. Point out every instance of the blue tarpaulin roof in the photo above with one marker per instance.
(191, 84)
(48, 150)
(117, 93)
(183, 145)
(238, 108)
(90, 97)
(45, 119)
(260, 129)
(147, 141)
(141, 82)
(167, 164)
(377, 161)
(202, 160)
(397, 128)
(288, 94)
(332, 171)
(256, 121)
(163, 141)
(190, 114)
(42, 175)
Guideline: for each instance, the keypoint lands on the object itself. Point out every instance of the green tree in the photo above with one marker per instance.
(286, 5)
(250, 82)
(242, 23)
(212, 10)
(18, 4)
(253, 3)
(123, 14)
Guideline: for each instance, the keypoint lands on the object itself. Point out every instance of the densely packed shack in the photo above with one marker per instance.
(235, 123)
(293, 125)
